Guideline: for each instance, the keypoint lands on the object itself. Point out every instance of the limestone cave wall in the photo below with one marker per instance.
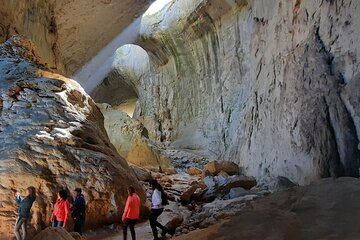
(269, 84)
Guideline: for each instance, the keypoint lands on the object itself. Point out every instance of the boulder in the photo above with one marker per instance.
(170, 171)
(53, 137)
(130, 139)
(209, 181)
(237, 192)
(216, 167)
(275, 184)
(141, 173)
(166, 179)
(241, 181)
(192, 193)
(194, 171)
(205, 173)
(219, 186)
(187, 195)
(174, 223)
(76, 236)
(54, 234)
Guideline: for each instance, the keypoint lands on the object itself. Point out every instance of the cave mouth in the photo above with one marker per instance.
(120, 87)
(116, 91)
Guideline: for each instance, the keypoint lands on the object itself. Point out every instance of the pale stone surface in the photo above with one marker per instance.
(130, 139)
(270, 85)
(52, 137)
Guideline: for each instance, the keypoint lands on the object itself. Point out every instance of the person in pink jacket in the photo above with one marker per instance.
(131, 213)
(61, 211)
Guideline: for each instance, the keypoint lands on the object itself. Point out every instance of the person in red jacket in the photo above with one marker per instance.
(131, 213)
(61, 211)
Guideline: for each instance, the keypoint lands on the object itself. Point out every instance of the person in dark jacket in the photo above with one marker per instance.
(25, 204)
(78, 210)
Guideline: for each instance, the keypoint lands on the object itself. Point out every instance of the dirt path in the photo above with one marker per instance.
(143, 232)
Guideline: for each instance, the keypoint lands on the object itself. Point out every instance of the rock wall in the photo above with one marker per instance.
(53, 137)
(68, 33)
(269, 84)
(131, 140)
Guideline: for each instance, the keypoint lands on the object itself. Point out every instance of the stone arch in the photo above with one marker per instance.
(120, 86)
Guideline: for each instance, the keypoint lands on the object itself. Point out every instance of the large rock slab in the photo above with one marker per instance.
(221, 185)
(327, 209)
(130, 138)
(53, 137)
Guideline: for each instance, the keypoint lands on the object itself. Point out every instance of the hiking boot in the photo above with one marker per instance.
(164, 232)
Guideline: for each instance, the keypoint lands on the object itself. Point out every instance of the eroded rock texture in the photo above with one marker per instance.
(269, 84)
(68, 33)
(52, 136)
(130, 138)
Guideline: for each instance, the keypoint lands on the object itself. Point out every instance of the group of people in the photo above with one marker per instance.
(60, 214)
(63, 209)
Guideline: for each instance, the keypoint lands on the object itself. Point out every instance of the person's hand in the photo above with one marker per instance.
(17, 194)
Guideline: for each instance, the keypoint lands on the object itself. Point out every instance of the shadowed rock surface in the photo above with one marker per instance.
(68, 33)
(327, 209)
(53, 137)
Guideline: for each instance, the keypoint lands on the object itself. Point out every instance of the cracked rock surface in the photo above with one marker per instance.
(271, 85)
(52, 137)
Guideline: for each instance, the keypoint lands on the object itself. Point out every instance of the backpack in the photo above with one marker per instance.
(164, 199)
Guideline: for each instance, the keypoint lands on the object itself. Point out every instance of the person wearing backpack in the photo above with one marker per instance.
(25, 204)
(159, 199)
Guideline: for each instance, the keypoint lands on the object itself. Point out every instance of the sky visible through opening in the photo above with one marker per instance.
(94, 72)
(157, 6)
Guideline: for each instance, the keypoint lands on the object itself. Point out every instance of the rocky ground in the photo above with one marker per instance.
(198, 199)
(327, 209)
(276, 209)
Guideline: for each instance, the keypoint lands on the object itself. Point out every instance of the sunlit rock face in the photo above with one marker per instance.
(272, 85)
(131, 139)
(53, 137)
(68, 33)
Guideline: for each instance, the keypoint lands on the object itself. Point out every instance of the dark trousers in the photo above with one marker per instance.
(78, 224)
(57, 223)
(20, 223)
(131, 224)
(155, 213)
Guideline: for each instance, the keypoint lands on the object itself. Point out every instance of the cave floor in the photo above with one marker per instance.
(143, 231)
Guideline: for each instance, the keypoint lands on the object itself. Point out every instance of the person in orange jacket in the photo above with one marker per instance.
(61, 211)
(131, 213)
